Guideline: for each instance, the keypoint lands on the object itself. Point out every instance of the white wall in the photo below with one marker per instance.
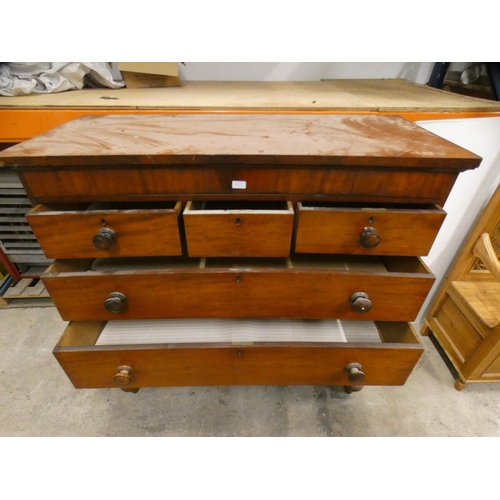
(418, 72)
(470, 193)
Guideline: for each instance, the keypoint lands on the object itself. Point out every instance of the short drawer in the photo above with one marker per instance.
(91, 364)
(327, 228)
(343, 287)
(238, 229)
(108, 230)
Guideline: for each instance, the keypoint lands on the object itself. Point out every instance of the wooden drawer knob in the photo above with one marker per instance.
(354, 373)
(369, 237)
(104, 239)
(360, 302)
(123, 375)
(115, 303)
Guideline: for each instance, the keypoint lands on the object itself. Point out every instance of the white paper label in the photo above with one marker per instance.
(239, 184)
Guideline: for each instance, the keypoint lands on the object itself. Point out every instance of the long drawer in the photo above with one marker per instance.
(89, 364)
(108, 230)
(397, 230)
(343, 287)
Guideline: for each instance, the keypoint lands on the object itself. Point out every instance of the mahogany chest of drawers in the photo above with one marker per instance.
(264, 224)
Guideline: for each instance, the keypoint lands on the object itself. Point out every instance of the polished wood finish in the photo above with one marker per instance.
(344, 184)
(372, 161)
(284, 289)
(67, 234)
(335, 140)
(230, 229)
(342, 157)
(465, 314)
(483, 249)
(327, 228)
(91, 366)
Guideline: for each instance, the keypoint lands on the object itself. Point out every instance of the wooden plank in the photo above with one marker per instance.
(399, 94)
(482, 297)
(202, 95)
(37, 290)
(363, 95)
(25, 303)
(18, 289)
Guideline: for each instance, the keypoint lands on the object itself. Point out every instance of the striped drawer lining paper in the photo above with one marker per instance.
(236, 331)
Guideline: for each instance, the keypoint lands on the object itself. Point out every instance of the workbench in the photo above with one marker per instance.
(24, 117)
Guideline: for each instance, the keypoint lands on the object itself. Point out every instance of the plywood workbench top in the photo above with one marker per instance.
(26, 116)
(362, 95)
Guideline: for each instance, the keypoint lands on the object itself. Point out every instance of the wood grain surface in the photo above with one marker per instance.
(309, 289)
(365, 140)
(223, 364)
(233, 232)
(324, 228)
(268, 183)
(65, 234)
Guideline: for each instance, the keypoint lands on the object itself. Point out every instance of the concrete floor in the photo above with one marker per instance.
(37, 399)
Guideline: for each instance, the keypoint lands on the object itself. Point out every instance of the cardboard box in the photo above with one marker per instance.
(150, 74)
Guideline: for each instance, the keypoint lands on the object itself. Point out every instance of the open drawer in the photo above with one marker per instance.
(391, 230)
(344, 287)
(108, 230)
(138, 361)
(238, 228)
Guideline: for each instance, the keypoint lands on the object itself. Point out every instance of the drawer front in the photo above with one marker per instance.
(376, 231)
(232, 229)
(134, 366)
(107, 233)
(341, 183)
(289, 291)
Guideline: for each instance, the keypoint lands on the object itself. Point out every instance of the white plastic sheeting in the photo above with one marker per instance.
(22, 78)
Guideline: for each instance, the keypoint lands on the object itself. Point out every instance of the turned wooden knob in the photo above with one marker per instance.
(115, 303)
(369, 237)
(104, 239)
(354, 373)
(123, 375)
(360, 302)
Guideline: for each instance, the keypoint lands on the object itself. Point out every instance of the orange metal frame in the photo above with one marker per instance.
(17, 125)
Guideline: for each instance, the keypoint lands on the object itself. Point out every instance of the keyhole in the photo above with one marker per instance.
(103, 222)
(238, 221)
(370, 220)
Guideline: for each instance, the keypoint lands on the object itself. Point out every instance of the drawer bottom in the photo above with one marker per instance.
(386, 360)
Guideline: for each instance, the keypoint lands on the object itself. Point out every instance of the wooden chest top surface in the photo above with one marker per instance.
(323, 140)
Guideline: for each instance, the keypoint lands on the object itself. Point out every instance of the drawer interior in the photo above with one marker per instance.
(326, 205)
(341, 263)
(223, 206)
(103, 206)
(230, 332)
(95, 358)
